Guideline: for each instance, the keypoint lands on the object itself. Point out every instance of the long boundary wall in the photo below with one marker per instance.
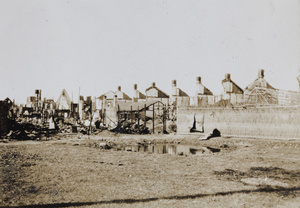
(277, 122)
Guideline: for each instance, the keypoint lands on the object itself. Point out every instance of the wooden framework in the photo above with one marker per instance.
(134, 112)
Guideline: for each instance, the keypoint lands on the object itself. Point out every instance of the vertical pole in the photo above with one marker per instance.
(131, 116)
(164, 119)
(145, 122)
(104, 117)
(153, 118)
(118, 115)
(138, 118)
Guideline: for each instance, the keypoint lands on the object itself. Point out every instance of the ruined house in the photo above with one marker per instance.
(31, 101)
(49, 104)
(232, 91)
(139, 113)
(178, 97)
(260, 91)
(260, 82)
(64, 102)
(153, 93)
(86, 107)
(107, 99)
(34, 105)
(35, 101)
(137, 95)
(203, 95)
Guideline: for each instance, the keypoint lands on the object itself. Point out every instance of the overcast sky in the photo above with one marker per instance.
(97, 45)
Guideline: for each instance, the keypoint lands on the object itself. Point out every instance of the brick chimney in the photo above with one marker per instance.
(227, 77)
(153, 84)
(261, 73)
(199, 86)
(174, 87)
(135, 93)
(227, 84)
(198, 80)
(119, 88)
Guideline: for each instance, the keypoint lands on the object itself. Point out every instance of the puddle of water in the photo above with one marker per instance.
(172, 149)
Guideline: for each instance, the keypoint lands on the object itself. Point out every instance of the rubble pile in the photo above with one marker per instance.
(64, 127)
(34, 128)
(127, 127)
(21, 129)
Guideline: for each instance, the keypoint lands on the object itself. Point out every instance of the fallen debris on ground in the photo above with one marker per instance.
(213, 133)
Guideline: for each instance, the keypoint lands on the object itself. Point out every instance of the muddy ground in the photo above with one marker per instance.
(131, 171)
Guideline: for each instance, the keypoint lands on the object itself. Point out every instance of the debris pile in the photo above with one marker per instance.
(20, 129)
(35, 129)
(127, 127)
(213, 133)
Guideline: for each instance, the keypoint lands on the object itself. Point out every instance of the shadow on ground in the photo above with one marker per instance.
(131, 201)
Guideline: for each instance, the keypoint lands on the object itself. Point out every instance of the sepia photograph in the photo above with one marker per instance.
(149, 103)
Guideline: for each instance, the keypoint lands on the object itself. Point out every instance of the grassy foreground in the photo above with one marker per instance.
(74, 172)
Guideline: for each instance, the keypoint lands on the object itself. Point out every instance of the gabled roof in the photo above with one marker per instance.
(110, 95)
(141, 95)
(64, 94)
(206, 91)
(105, 94)
(235, 88)
(123, 96)
(259, 82)
(161, 94)
(7, 100)
(181, 93)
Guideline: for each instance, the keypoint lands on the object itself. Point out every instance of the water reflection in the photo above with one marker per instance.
(172, 149)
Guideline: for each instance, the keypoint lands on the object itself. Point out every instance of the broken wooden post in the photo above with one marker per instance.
(90, 127)
(118, 115)
(104, 117)
(145, 121)
(131, 116)
(138, 118)
(153, 118)
(164, 119)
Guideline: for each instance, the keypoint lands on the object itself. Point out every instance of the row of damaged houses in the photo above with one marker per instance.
(117, 106)
(257, 92)
(145, 111)
(113, 106)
